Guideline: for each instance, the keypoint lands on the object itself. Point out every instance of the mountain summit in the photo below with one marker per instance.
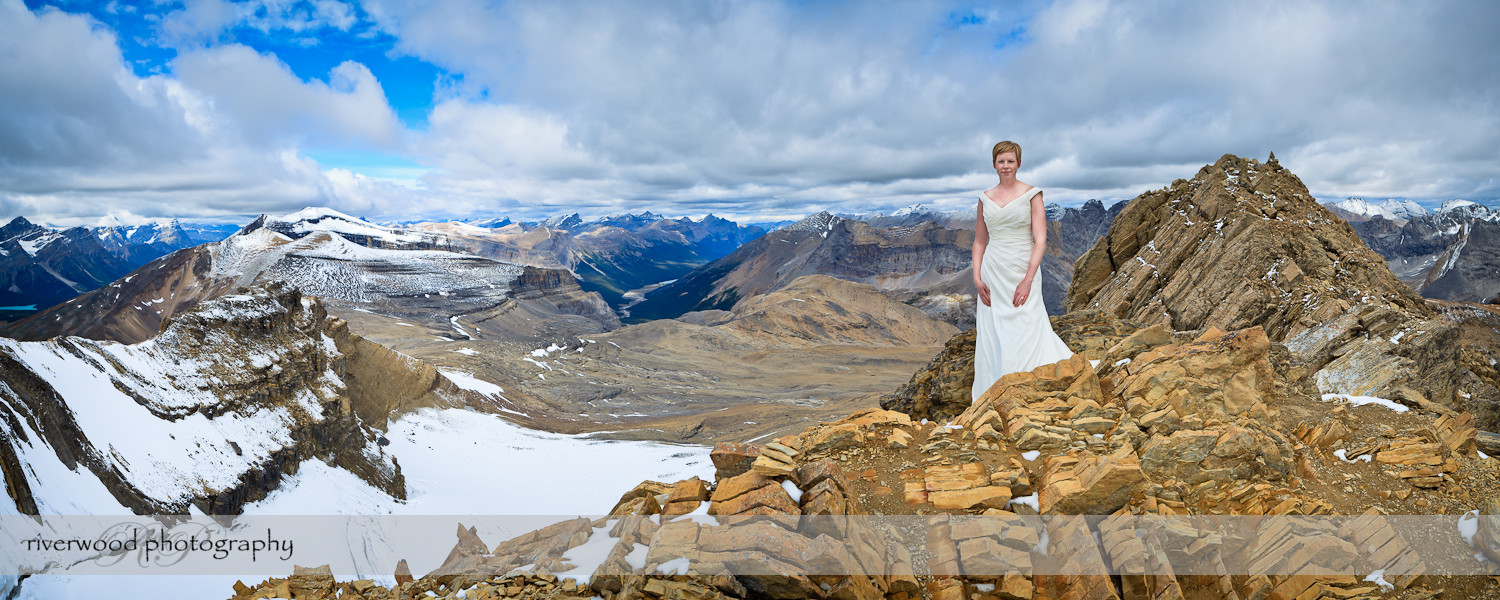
(1243, 244)
(1240, 244)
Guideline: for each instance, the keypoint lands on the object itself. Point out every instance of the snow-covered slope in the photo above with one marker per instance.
(1395, 209)
(312, 220)
(251, 404)
(197, 416)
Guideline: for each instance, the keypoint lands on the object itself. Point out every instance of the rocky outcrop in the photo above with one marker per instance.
(1244, 244)
(250, 385)
(1240, 244)
(942, 390)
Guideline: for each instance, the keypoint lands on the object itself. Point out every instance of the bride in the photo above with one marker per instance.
(1010, 236)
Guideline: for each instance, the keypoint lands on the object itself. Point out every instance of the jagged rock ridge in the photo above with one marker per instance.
(1243, 244)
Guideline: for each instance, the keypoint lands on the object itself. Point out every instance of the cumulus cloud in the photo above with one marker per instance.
(1110, 98)
(82, 136)
(268, 101)
(752, 109)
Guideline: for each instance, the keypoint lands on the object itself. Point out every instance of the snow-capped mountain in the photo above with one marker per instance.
(913, 214)
(1448, 254)
(611, 255)
(40, 267)
(1395, 209)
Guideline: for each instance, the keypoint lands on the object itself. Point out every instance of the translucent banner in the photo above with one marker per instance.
(778, 545)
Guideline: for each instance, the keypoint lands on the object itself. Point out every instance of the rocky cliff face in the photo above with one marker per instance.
(1469, 268)
(212, 413)
(1448, 254)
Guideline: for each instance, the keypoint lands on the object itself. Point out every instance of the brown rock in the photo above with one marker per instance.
(733, 487)
(813, 473)
(403, 572)
(673, 509)
(644, 489)
(1093, 485)
(315, 583)
(770, 496)
(731, 458)
(981, 497)
(688, 490)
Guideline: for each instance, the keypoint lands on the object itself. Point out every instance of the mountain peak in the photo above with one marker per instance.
(563, 221)
(313, 214)
(819, 221)
(1278, 257)
(1455, 203)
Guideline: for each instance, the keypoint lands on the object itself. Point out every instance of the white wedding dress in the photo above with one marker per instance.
(1011, 339)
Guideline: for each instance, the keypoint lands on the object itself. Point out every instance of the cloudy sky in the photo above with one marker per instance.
(396, 109)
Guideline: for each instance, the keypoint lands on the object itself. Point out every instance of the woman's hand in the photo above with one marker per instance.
(984, 291)
(1021, 292)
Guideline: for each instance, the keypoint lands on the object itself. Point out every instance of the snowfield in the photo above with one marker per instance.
(459, 462)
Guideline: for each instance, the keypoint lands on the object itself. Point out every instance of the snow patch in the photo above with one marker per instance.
(469, 382)
(1363, 400)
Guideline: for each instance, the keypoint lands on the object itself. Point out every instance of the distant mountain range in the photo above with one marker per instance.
(1390, 208)
(347, 261)
(1452, 253)
(918, 255)
(42, 266)
(615, 256)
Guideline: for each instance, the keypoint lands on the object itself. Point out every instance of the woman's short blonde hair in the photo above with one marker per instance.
(1006, 146)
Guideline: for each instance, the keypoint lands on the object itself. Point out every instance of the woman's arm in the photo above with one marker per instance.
(1039, 247)
(981, 241)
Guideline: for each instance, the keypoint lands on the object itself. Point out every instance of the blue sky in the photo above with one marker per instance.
(219, 109)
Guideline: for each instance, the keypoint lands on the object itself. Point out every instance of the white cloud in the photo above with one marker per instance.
(199, 21)
(1111, 97)
(749, 108)
(81, 136)
(270, 102)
